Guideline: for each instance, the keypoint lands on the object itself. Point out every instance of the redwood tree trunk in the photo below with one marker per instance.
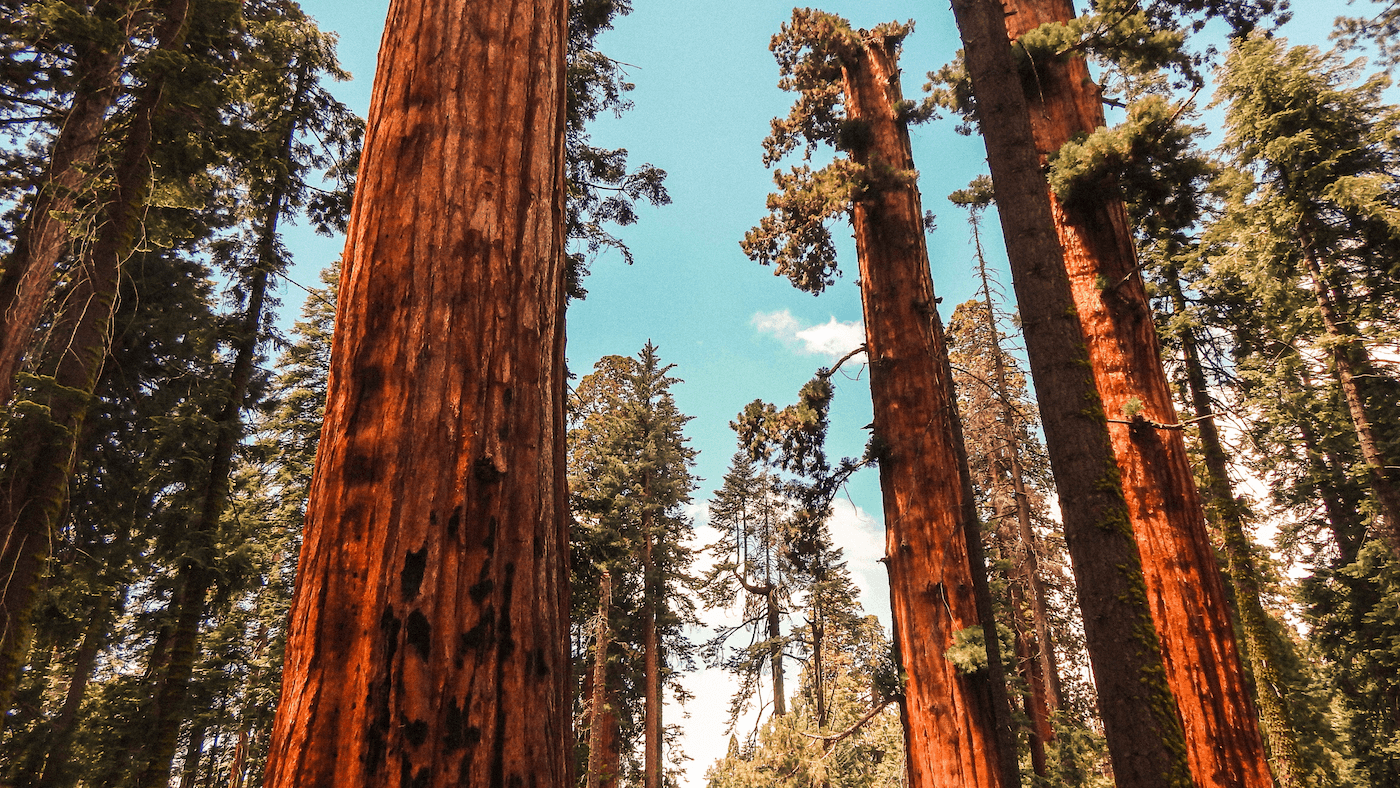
(28, 272)
(428, 639)
(1139, 712)
(957, 723)
(35, 483)
(1228, 515)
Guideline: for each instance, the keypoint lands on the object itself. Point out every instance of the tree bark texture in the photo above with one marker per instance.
(1183, 580)
(932, 537)
(1141, 722)
(64, 725)
(428, 639)
(35, 482)
(1228, 515)
(28, 273)
(1351, 362)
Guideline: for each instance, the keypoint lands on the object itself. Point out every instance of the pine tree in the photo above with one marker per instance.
(751, 570)
(629, 480)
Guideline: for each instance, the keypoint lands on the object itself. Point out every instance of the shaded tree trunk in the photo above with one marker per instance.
(1244, 573)
(28, 272)
(958, 723)
(600, 714)
(1351, 362)
(1184, 587)
(1138, 709)
(167, 712)
(35, 482)
(652, 767)
(65, 724)
(428, 635)
(775, 651)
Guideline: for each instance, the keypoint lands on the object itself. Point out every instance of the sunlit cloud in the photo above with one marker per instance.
(833, 338)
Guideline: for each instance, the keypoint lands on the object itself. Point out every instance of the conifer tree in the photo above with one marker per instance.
(849, 98)
(629, 479)
(1092, 249)
(751, 566)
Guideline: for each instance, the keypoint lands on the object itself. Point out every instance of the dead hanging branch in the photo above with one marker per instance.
(835, 737)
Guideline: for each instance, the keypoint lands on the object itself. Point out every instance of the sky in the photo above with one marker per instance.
(705, 93)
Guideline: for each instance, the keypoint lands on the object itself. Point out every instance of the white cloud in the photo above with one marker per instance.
(862, 538)
(833, 338)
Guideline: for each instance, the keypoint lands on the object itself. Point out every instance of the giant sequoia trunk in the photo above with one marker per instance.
(1138, 710)
(35, 480)
(1184, 587)
(428, 635)
(957, 720)
(1228, 515)
(29, 270)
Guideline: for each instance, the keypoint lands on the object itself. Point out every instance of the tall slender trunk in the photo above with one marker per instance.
(598, 710)
(1184, 586)
(194, 755)
(1243, 572)
(959, 729)
(35, 483)
(652, 767)
(1341, 518)
(1047, 698)
(1350, 362)
(167, 712)
(775, 650)
(1138, 709)
(64, 725)
(29, 270)
(428, 637)
(241, 750)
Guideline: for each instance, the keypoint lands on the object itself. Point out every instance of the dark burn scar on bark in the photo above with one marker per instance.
(454, 521)
(486, 471)
(418, 633)
(377, 702)
(541, 663)
(409, 779)
(481, 589)
(415, 564)
(416, 732)
(360, 468)
(476, 638)
(459, 734)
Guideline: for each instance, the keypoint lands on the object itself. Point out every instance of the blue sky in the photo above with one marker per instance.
(705, 92)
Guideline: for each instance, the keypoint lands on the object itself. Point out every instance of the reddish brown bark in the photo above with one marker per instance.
(35, 483)
(931, 533)
(1189, 607)
(652, 776)
(428, 636)
(1139, 713)
(29, 270)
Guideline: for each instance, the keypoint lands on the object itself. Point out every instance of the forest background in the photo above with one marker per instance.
(705, 92)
